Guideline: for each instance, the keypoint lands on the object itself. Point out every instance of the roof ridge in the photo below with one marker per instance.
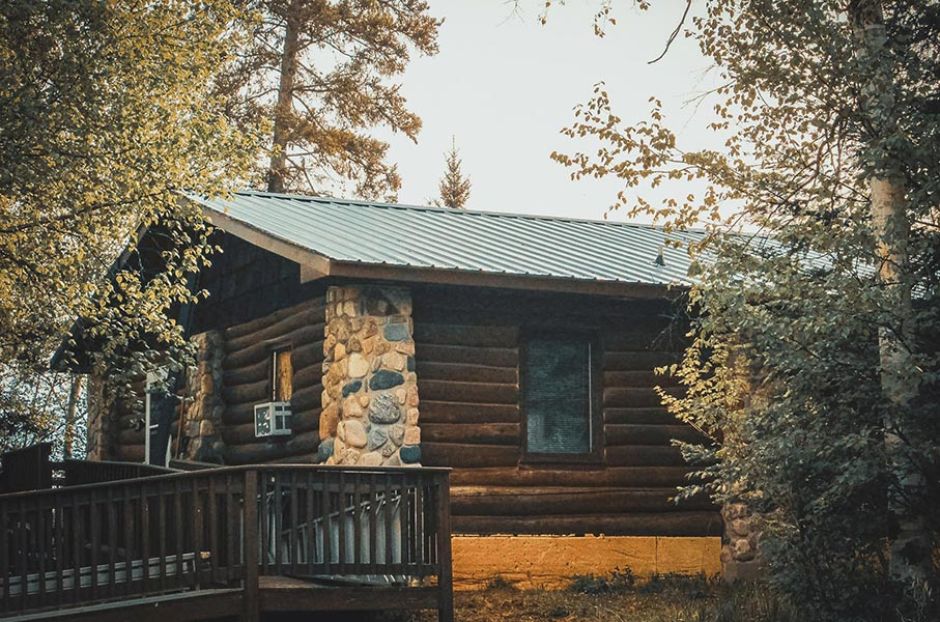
(459, 212)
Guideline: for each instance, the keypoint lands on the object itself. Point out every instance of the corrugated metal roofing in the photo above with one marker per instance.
(464, 240)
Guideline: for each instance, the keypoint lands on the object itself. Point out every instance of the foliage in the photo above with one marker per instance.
(322, 73)
(803, 295)
(33, 406)
(454, 186)
(106, 112)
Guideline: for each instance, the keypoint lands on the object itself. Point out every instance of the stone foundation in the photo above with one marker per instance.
(370, 389)
(201, 439)
(739, 549)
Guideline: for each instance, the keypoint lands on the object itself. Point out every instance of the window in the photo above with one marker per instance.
(558, 386)
(159, 411)
(282, 374)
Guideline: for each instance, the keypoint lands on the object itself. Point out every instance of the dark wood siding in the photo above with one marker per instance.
(467, 357)
(247, 381)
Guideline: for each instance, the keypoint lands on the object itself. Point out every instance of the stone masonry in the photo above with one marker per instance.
(370, 389)
(739, 547)
(201, 439)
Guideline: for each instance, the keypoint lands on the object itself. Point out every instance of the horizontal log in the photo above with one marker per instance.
(433, 411)
(640, 379)
(654, 333)
(308, 354)
(483, 433)
(305, 443)
(428, 370)
(467, 455)
(246, 328)
(307, 398)
(256, 392)
(523, 501)
(587, 477)
(632, 434)
(692, 523)
(620, 397)
(248, 374)
(258, 351)
(494, 357)
(652, 415)
(299, 458)
(464, 334)
(307, 376)
(301, 316)
(637, 361)
(242, 433)
(643, 455)
(131, 436)
(472, 392)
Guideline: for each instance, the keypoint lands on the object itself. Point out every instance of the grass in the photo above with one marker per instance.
(621, 598)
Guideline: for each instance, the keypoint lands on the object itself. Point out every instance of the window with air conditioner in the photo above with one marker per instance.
(273, 418)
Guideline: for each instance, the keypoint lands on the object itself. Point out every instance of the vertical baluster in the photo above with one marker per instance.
(198, 528)
(41, 540)
(178, 547)
(292, 553)
(76, 547)
(130, 540)
(94, 529)
(325, 515)
(373, 524)
(5, 556)
(230, 529)
(213, 528)
(388, 515)
(264, 516)
(23, 556)
(407, 527)
(311, 524)
(357, 520)
(445, 579)
(341, 517)
(278, 527)
(59, 536)
(144, 523)
(161, 533)
(112, 541)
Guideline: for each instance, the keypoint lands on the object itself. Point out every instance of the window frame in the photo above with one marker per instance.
(274, 351)
(595, 394)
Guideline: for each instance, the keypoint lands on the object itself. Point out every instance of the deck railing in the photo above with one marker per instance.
(223, 527)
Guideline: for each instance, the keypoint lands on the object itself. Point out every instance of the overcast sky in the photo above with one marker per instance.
(504, 85)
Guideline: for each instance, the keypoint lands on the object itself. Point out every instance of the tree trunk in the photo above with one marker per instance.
(909, 550)
(72, 408)
(285, 92)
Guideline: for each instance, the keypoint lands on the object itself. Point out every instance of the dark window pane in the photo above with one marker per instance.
(557, 396)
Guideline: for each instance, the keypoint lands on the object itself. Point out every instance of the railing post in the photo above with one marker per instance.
(250, 547)
(445, 579)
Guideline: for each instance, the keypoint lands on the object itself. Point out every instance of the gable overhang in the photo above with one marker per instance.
(315, 266)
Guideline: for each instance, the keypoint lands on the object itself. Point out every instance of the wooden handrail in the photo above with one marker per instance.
(223, 527)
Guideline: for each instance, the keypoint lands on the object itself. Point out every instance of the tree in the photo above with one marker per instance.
(454, 187)
(814, 348)
(106, 112)
(321, 72)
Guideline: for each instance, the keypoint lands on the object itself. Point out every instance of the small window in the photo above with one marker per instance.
(557, 397)
(282, 374)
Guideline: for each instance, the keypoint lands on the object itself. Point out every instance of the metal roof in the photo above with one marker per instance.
(463, 240)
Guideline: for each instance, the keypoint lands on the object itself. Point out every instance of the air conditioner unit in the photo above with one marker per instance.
(272, 419)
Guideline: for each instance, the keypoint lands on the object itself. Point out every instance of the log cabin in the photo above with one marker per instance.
(519, 351)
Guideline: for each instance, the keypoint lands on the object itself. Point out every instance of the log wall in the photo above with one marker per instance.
(467, 359)
(246, 371)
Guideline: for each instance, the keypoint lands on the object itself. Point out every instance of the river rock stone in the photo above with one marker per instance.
(352, 387)
(384, 408)
(410, 454)
(396, 433)
(397, 332)
(358, 365)
(385, 379)
(377, 437)
(355, 433)
(325, 450)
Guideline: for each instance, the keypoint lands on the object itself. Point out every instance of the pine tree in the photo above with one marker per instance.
(322, 74)
(454, 186)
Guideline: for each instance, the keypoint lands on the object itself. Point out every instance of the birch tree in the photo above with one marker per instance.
(815, 338)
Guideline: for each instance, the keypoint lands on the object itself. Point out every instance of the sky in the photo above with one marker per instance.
(503, 85)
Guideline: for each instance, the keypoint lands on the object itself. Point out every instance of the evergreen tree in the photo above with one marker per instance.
(454, 186)
(320, 73)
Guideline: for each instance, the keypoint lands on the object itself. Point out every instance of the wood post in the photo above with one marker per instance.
(445, 578)
(250, 547)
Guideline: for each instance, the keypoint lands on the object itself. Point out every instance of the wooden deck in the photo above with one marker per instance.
(227, 542)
